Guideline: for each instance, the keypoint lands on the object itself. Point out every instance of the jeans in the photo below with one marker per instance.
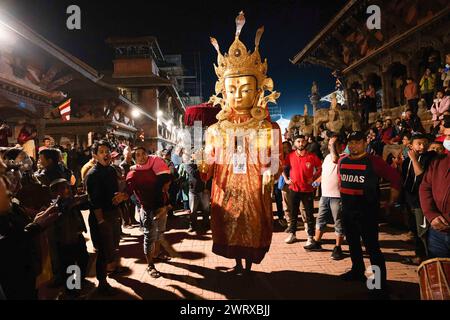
(199, 201)
(153, 228)
(285, 197)
(438, 244)
(363, 224)
(329, 205)
(307, 198)
(279, 201)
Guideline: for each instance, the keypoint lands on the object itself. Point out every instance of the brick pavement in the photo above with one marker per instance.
(287, 272)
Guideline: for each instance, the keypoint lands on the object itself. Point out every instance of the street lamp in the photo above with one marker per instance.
(6, 37)
(135, 113)
(159, 114)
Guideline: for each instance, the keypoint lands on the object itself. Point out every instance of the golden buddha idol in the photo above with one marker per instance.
(242, 154)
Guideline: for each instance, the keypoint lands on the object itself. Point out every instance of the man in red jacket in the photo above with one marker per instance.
(302, 168)
(435, 200)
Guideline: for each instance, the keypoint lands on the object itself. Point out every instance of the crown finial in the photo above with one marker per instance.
(259, 34)
(240, 21)
(215, 44)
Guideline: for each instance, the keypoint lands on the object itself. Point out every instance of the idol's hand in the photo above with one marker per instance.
(267, 178)
(202, 166)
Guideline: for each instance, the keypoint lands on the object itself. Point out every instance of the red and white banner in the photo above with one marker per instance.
(64, 110)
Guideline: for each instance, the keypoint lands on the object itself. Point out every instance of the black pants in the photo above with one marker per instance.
(428, 98)
(413, 105)
(74, 254)
(415, 220)
(365, 112)
(363, 224)
(307, 198)
(106, 239)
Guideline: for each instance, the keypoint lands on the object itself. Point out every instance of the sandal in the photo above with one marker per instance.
(153, 272)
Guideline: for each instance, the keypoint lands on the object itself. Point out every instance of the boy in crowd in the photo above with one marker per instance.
(69, 229)
(413, 169)
(437, 146)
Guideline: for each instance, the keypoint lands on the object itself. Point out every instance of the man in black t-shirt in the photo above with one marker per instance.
(104, 219)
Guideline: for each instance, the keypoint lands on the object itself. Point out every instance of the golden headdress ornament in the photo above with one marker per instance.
(240, 62)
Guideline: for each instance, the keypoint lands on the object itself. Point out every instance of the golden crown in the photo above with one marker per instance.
(239, 62)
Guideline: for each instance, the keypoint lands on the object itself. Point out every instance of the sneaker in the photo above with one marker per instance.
(314, 246)
(310, 241)
(337, 253)
(291, 238)
(353, 276)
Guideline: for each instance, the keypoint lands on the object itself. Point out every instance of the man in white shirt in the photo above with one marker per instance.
(330, 200)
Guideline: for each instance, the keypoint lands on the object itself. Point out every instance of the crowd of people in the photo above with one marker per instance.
(121, 186)
(349, 168)
(431, 89)
(41, 202)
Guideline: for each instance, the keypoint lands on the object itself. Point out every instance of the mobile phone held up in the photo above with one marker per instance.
(57, 203)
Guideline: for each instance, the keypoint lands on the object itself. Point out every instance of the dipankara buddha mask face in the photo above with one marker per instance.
(240, 93)
(242, 80)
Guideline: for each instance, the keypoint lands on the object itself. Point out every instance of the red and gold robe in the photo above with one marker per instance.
(241, 207)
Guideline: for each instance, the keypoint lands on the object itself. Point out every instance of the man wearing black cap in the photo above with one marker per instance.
(69, 228)
(358, 174)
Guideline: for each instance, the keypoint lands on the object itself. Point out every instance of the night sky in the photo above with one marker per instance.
(185, 26)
